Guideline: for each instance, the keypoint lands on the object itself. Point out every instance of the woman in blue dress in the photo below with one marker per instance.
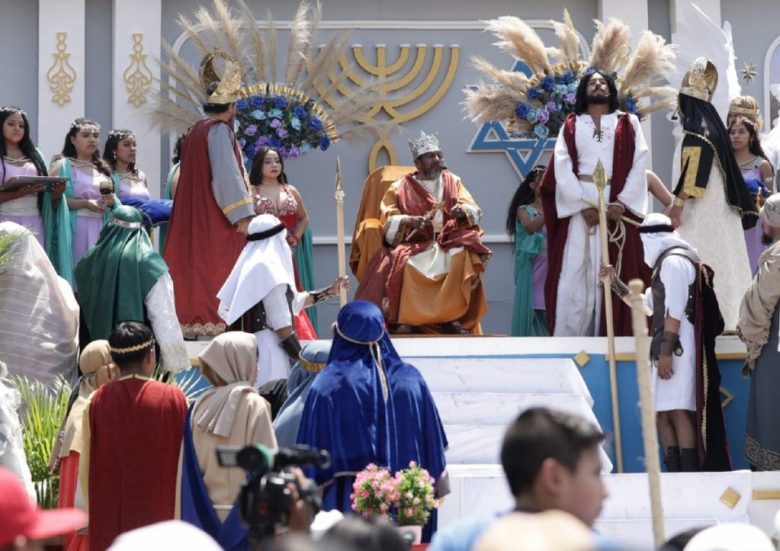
(525, 223)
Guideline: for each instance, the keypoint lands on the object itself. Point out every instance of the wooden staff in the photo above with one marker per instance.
(341, 247)
(649, 431)
(600, 179)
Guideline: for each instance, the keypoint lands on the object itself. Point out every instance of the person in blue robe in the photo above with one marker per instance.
(349, 410)
(299, 382)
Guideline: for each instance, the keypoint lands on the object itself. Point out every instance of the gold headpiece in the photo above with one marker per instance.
(701, 79)
(136, 348)
(743, 111)
(228, 85)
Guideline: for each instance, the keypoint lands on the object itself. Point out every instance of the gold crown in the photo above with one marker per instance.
(701, 79)
(743, 111)
(228, 85)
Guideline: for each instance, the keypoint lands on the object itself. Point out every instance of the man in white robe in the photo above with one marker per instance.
(590, 136)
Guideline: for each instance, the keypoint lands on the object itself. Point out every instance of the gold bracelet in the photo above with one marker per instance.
(678, 202)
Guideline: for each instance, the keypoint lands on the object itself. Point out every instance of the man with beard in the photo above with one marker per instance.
(686, 320)
(759, 323)
(429, 279)
(596, 131)
(213, 206)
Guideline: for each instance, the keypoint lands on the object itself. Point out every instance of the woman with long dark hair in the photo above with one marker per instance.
(34, 206)
(90, 189)
(758, 174)
(119, 153)
(525, 223)
(274, 195)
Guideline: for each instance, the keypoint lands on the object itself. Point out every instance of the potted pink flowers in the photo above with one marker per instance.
(374, 492)
(408, 496)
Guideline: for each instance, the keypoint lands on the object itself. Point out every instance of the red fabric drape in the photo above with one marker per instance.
(202, 245)
(633, 264)
(136, 429)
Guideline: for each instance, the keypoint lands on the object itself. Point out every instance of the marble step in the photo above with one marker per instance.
(502, 375)
(481, 444)
(493, 408)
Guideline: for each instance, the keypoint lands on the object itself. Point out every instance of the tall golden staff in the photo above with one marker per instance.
(600, 179)
(341, 247)
(649, 433)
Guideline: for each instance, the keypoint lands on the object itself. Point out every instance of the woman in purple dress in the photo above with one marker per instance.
(20, 158)
(757, 172)
(120, 152)
(90, 189)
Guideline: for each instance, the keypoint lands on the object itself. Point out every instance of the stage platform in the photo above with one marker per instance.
(481, 383)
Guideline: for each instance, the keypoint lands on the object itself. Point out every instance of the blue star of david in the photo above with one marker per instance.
(523, 153)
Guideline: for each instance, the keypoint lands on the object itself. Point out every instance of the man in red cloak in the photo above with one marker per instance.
(596, 131)
(213, 206)
(132, 436)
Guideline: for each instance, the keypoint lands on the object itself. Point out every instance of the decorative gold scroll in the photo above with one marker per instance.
(137, 76)
(61, 75)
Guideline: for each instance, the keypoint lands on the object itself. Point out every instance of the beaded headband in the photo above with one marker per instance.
(120, 134)
(125, 224)
(12, 109)
(79, 125)
(743, 111)
(135, 348)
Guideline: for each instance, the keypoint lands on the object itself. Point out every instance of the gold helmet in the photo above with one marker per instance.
(701, 79)
(228, 85)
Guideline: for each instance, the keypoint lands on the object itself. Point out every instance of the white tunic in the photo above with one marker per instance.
(679, 392)
(273, 362)
(714, 228)
(578, 306)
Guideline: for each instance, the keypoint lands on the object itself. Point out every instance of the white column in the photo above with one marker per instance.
(635, 15)
(61, 70)
(137, 42)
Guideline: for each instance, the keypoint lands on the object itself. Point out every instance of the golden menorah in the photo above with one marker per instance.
(393, 95)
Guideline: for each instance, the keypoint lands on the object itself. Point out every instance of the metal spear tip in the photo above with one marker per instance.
(600, 176)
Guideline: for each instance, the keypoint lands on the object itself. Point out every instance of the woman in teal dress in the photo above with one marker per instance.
(525, 223)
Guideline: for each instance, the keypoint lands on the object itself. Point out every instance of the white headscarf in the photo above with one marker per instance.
(262, 265)
(39, 316)
(658, 242)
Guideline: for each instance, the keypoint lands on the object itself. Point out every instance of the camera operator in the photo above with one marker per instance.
(276, 497)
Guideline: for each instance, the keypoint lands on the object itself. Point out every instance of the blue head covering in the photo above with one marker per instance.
(299, 382)
(348, 410)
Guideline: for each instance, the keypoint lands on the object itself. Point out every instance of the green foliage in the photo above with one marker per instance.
(41, 415)
(6, 253)
(416, 495)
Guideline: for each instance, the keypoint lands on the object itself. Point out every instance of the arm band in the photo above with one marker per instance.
(670, 344)
(620, 288)
(320, 295)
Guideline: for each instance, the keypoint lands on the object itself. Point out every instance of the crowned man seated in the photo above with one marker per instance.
(428, 277)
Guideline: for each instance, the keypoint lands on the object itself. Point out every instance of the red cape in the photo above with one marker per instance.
(136, 427)
(202, 245)
(633, 264)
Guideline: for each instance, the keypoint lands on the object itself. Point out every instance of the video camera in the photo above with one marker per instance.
(265, 498)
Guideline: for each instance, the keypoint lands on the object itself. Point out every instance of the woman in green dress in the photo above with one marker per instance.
(525, 223)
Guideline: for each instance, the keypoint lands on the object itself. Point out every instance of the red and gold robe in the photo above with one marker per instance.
(419, 291)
